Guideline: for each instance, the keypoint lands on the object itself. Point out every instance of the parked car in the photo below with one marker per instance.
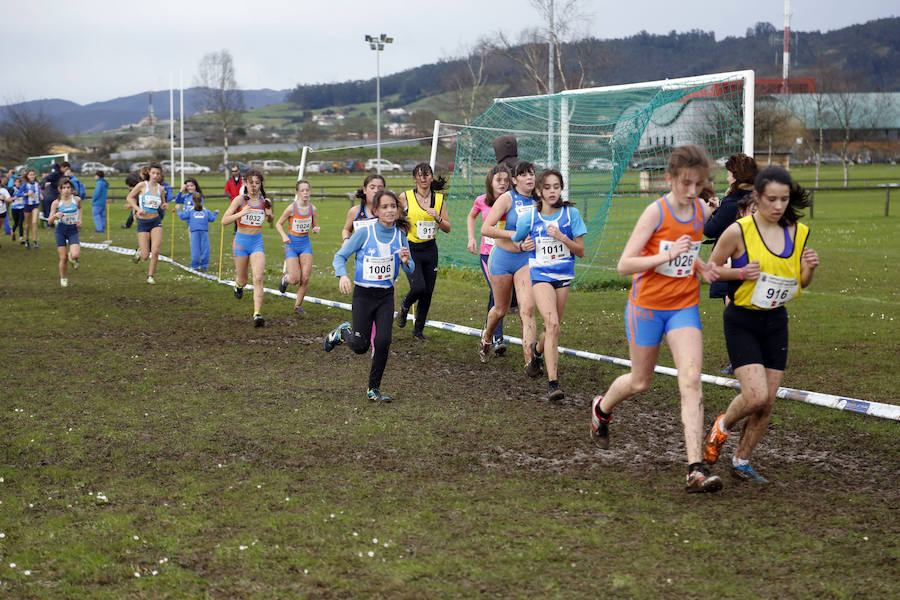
(408, 165)
(373, 163)
(136, 166)
(273, 166)
(830, 159)
(312, 166)
(600, 164)
(92, 167)
(329, 166)
(354, 165)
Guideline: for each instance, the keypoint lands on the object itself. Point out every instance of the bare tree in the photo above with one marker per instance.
(772, 124)
(531, 52)
(26, 132)
(469, 81)
(220, 93)
(848, 112)
(815, 107)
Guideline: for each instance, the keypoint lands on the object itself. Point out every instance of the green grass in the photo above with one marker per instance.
(241, 462)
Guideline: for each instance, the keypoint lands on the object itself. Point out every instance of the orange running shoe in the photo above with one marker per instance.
(714, 441)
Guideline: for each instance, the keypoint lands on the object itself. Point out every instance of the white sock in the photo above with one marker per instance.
(739, 462)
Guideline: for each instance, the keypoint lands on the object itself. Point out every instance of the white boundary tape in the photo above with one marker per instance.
(875, 409)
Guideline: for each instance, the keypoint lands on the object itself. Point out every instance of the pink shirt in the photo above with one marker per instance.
(480, 207)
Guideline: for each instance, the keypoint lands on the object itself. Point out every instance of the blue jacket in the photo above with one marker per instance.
(80, 190)
(197, 220)
(99, 198)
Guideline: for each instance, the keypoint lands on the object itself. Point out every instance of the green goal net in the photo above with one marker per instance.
(610, 143)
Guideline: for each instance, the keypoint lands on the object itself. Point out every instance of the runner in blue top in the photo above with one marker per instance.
(67, 210)
(381, 251)
(147, 199)
(558, 233)
(508, 263)
(30, 190)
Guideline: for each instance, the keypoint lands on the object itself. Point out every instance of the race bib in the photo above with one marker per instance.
(772, 291)
(150, 202)
(683, 264)
(364, 223)
(300, 226)
(521, 209)
(548, 250)
(69, 218)
(378, 268)
(488, 241)
(425, 230)
(254, 218)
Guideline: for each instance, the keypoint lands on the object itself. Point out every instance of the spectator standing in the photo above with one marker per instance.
(98, 203)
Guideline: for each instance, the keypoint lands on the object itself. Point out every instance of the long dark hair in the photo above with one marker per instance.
(196, 185)
(799, 197)
(402, 222)
(262, 189)
(744, 170)
(489, 183)
(361, 192)
(538, 200)
(437, 184)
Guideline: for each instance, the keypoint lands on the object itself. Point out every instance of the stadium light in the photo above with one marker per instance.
(377, 43)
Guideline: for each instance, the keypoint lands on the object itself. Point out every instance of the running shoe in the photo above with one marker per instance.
(282, 287)
(729, 370)
(335, 337)
(238, 292)
(34, 244)
(536, 365)
(136, 258)
(714, 441)
(599, 425)
(484, 350)
(299, 310)
(554, 394)
(401, 315)
(418, 335)
(63, 283)
(150, 280)
(700, 480)
(375, 395)
(499, 347)
(258, 320)
(27, 245)
(73, 262)
(746, 473)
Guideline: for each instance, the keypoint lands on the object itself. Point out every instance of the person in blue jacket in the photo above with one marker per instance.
(98, 203)
(198, 219)
(185, 196)
(381, 251)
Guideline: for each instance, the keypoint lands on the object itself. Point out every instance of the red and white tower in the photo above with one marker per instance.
(786, 61)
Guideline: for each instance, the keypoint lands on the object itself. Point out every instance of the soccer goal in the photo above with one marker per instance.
(40, 163)
(611, 145)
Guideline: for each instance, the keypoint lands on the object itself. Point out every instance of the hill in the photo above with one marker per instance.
(112, 114)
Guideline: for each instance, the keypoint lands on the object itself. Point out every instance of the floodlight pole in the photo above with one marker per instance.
(377, 43)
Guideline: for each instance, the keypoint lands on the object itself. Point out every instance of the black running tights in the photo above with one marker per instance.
(372, 306)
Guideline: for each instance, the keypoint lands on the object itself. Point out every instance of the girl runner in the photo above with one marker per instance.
(663, 254)
(297, 249)
(147, 199)
(558, 233)
(508, 265)
(17, 209)
(381, 251)
(495, 186)
(30, 191)
(249, 210)
(427, 214)
(770, 266)
(67, 210)
(364, 214)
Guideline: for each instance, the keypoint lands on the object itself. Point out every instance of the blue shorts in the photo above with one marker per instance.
(146, 225)
(30, 208)
(502, 262)
(66, 234)
(246, 244)
(646, 327)
(298, 245)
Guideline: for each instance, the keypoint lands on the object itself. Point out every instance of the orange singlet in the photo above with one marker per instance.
(657, 291)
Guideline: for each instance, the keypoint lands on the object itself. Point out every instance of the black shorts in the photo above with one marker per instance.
(756, 336)
(148, 225)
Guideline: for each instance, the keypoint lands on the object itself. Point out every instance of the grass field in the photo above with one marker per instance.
(156, 445)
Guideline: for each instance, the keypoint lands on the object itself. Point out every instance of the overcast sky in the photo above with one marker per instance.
(93, 50)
